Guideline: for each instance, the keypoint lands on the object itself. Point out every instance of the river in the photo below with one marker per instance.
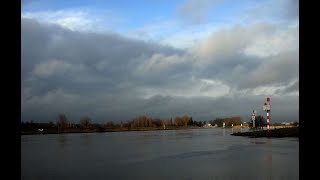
(169, 154)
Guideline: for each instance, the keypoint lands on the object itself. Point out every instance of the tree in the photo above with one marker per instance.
(121, 125)
(85, 121)
(62, 121)
(51, 124)
(110, 125)
(260, 121)
(190, 122)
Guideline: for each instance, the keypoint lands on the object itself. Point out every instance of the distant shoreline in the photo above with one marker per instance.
(101, 131)
(281, 132)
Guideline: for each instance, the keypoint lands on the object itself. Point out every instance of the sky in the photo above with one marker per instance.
(116, 60)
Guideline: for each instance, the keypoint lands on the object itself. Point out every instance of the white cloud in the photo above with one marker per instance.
(159, 63)
(77, 19)
(189, 88)
(171, 33)
(213, 88)
(266, 90)
(187, 38)
(272, 44)
(154, 31)
(234, 53)
(224, 42)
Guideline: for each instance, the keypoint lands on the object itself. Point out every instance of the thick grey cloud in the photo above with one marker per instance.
(71, 59)
(110, 77)
(291, 88)
(272, 58)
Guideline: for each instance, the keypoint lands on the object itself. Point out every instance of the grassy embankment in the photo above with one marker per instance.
(282, 132)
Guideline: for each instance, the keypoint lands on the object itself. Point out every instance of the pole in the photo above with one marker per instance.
(253, 118)
(268, 108)
(268, 121)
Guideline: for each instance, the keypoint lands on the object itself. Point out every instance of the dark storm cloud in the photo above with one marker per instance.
(66, 68)
(110, 77)
(71, 59)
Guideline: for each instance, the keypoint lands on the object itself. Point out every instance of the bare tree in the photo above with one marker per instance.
(110, 124)
(85, 121)
(62, 121)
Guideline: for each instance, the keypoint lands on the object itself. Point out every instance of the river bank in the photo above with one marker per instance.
(282, 132)
(102, 130)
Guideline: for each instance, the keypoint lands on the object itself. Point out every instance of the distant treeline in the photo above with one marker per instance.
(228, 121)
(62, 124)
(85, 123)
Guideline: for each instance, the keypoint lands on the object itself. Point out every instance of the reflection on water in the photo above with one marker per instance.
(255, 140)
(171, 154)
(86, 139)
(269, 158)
(62, 140)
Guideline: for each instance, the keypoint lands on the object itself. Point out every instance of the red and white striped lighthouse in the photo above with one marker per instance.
(267, 108)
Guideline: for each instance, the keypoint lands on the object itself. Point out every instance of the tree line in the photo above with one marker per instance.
(85, 123)
(228, 121)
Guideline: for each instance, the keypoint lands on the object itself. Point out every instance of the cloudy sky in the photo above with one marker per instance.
(115, 60)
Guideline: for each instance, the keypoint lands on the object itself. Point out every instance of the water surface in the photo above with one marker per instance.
(172, 154)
